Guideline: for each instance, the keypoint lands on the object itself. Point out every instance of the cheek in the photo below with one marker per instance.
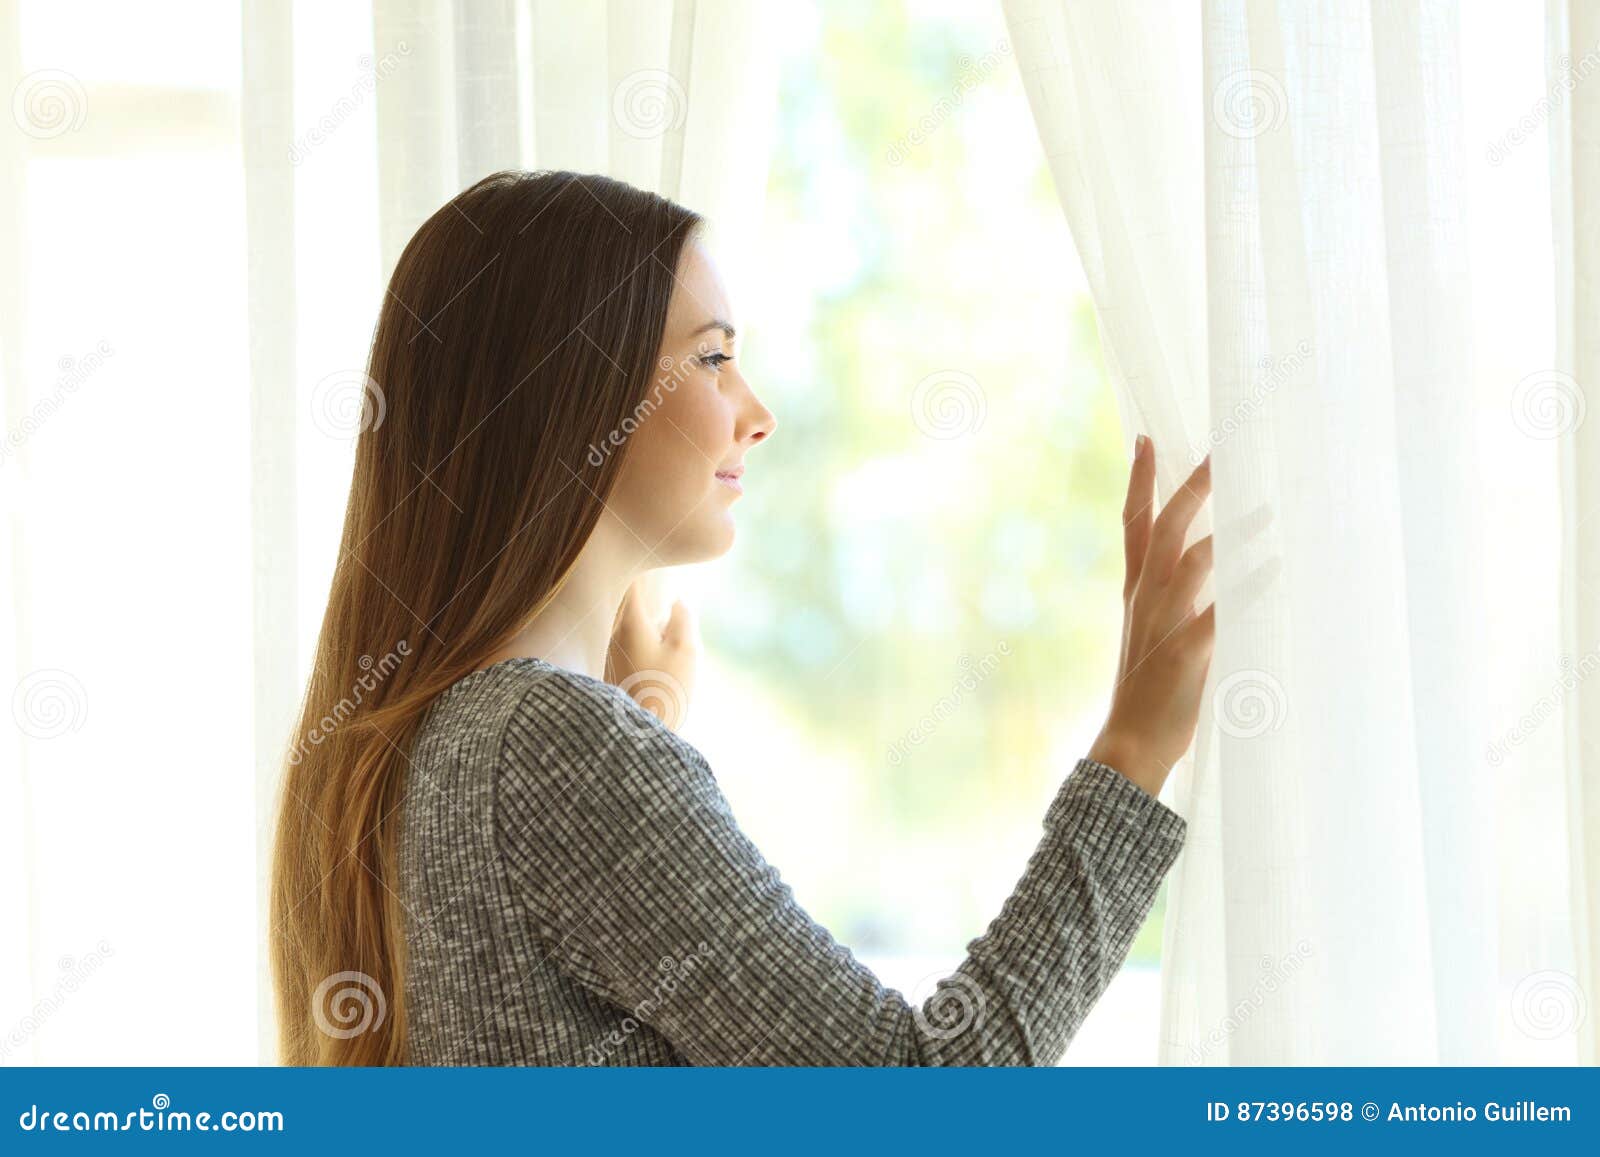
(693, 428)
(699, 411)
(675, 451)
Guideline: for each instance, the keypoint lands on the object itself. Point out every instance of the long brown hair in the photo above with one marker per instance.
(521, 327)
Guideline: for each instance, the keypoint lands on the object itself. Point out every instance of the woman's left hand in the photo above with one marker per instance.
(655, 665)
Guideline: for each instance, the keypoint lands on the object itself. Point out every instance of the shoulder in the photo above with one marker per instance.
(576, 711)
(563, 729)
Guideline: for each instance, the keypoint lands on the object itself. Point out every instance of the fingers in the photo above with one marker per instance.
(1199, 636)
(1172, 525)
(680, 630)
(1137, 512)
(1243, 593)
(632, 624)
(1189, 577)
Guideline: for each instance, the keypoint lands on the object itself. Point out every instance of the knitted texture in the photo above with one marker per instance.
(577, 892)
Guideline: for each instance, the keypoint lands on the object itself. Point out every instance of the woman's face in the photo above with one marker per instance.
(698, 422)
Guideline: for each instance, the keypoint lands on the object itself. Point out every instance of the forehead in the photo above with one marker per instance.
(698, 293)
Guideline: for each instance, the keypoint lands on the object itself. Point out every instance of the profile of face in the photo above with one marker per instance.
(682, 473)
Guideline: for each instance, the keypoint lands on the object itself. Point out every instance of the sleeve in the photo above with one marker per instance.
(623, 847)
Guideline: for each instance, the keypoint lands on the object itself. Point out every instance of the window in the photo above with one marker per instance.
(913, 640)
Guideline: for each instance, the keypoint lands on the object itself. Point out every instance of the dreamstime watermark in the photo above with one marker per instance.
(346, 106)
(1247, 408)
(948, 704)
(49, 103)
(346, 403)
(657, 693)
(1249, 703)
(1275, 973)
(955, 1004)
(674, 973)
(375, 673)
(156, 1119)
(1249, 102)
(1547, 404)
(649, 103)
(348, 1004)
(49, 703)
(74, 971)
(676, 370)
(1548, 1004)
(1572, 674)
(1533, 120)
(948, 404)
(971, 73)
(74, 372)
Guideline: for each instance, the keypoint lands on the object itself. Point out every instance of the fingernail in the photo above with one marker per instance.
(1140, 444)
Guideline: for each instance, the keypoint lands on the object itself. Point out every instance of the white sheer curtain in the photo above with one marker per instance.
(1320, 241)
(199, 209)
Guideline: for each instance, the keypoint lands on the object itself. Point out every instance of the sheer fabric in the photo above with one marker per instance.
(1318, 239)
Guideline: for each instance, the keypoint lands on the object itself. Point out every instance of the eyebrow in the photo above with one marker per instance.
(717, 323)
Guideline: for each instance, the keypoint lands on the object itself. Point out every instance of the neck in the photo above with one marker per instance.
(573, 630)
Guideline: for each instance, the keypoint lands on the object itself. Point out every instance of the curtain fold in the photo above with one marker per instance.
(266, 136)
(1574, 68)
(21, 891)
(573, 84)
(1272, 204)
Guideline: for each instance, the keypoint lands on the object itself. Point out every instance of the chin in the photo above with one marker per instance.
(717, 538)
(703, 544)
(722, 541)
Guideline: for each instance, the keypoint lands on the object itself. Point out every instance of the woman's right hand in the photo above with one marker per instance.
(1166, 647)
(654, 664)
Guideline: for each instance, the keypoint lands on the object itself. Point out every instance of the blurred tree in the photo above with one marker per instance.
(931, 563)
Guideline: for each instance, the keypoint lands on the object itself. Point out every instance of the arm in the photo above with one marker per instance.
(626, 852)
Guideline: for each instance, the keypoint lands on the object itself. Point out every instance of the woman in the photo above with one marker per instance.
(490, 853)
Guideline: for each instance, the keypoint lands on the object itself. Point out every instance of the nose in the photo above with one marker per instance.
(758, 422)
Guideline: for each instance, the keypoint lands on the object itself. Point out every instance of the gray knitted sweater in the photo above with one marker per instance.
(577, 892)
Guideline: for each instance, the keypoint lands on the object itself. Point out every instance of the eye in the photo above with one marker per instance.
(715, 360)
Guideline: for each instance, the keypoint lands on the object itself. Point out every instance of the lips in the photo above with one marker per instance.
(730, 478)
